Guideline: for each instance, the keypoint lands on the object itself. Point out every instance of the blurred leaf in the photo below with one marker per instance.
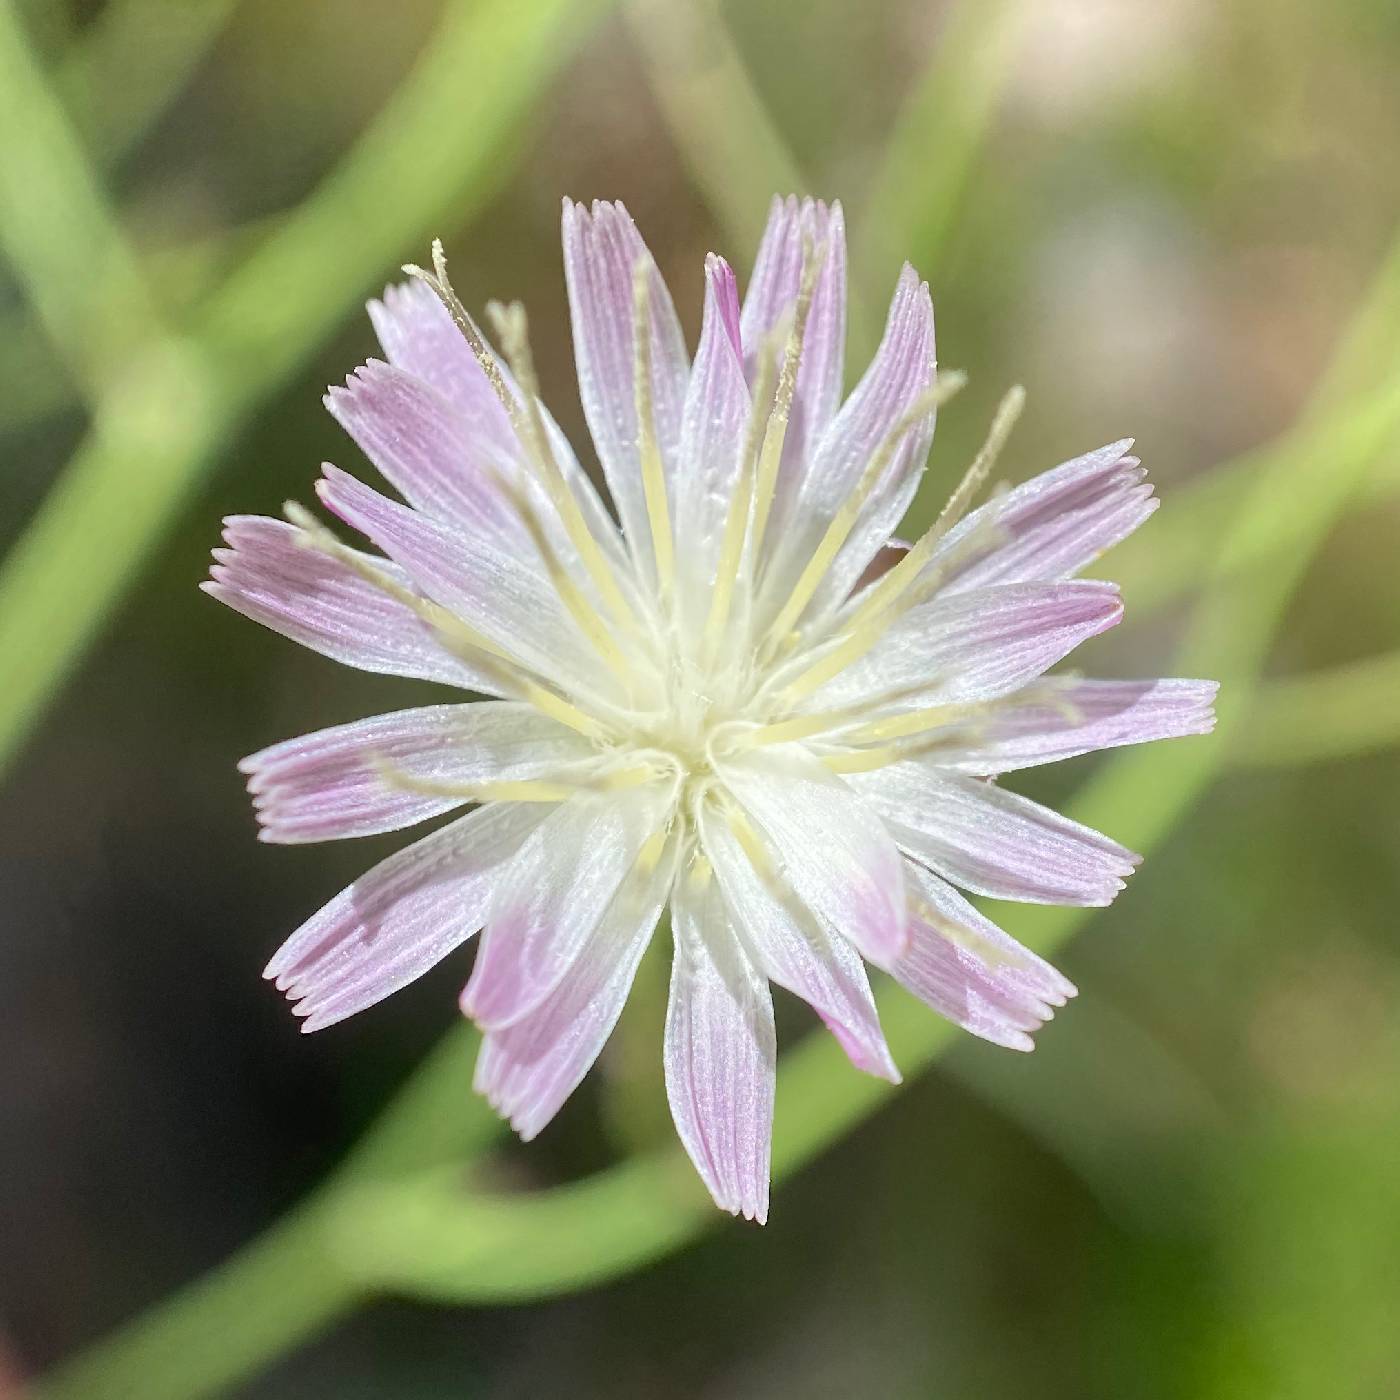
(434, 155)
(129, 63)
(1340, 713)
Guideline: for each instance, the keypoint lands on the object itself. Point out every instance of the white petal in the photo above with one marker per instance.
(721, 1053)
(1051, 527)
(428, 451)
(527, 1070)
(831, 847)
(796, 952)
(553, 896)
(968, 970)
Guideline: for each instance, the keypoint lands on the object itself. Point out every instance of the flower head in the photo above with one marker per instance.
(739, 699)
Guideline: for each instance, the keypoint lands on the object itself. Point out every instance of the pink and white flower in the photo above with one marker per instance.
(727, 702)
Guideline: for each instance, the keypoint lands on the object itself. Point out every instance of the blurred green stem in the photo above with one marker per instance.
(289, 1282)
(723, 134)
(1340, 713)
(130, 63)
(56, 227)
(436, 152)
(917, 190)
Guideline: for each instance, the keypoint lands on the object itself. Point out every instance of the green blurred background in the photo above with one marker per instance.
(1162, 219)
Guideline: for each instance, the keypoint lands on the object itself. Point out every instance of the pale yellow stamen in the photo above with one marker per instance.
(649, 857)
(863, 760)
(511, 326)
(699, 873)
(649, 450)
(528, 425)
(480, 650)
(913, 722)
(978, 944)
(879, 610)
(748, 838)
(771, 454)
(844, 521)
(523, 790)
(900, 578)
(798, 727)
(736, 522)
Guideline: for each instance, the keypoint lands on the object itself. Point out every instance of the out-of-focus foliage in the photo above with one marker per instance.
(1161, 219)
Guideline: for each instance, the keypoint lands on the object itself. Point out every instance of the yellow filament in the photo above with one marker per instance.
(863, 760)
(653, 478)
(732, 544)
(899, 578)
(1008, 411)
(914, 722)
(748, 838)
(844, 521)
(556, 707)
(770, 457)
(527, 424)
(974, 942)
(627, 778)
(649, 857)
(580, 609)
(799, 727)
(482, 650)
(852, 646)
(528, 791)
(524, 790)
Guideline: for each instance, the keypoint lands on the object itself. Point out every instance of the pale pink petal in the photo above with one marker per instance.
(552, 898)
(970, 971)
(975, 646)
(340, 782)
(902, 370)
(316, 600)
(994, 842)
(712, 435)
(403, 917)
(721, 1052)
(796, 952)
(1059, 719)
(510, 604)
(830, 846)
(428, 451)
(769, 302)
(1052, 527)
(420, 337)
(527, 1070)
(942, 906)
(601, 250)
